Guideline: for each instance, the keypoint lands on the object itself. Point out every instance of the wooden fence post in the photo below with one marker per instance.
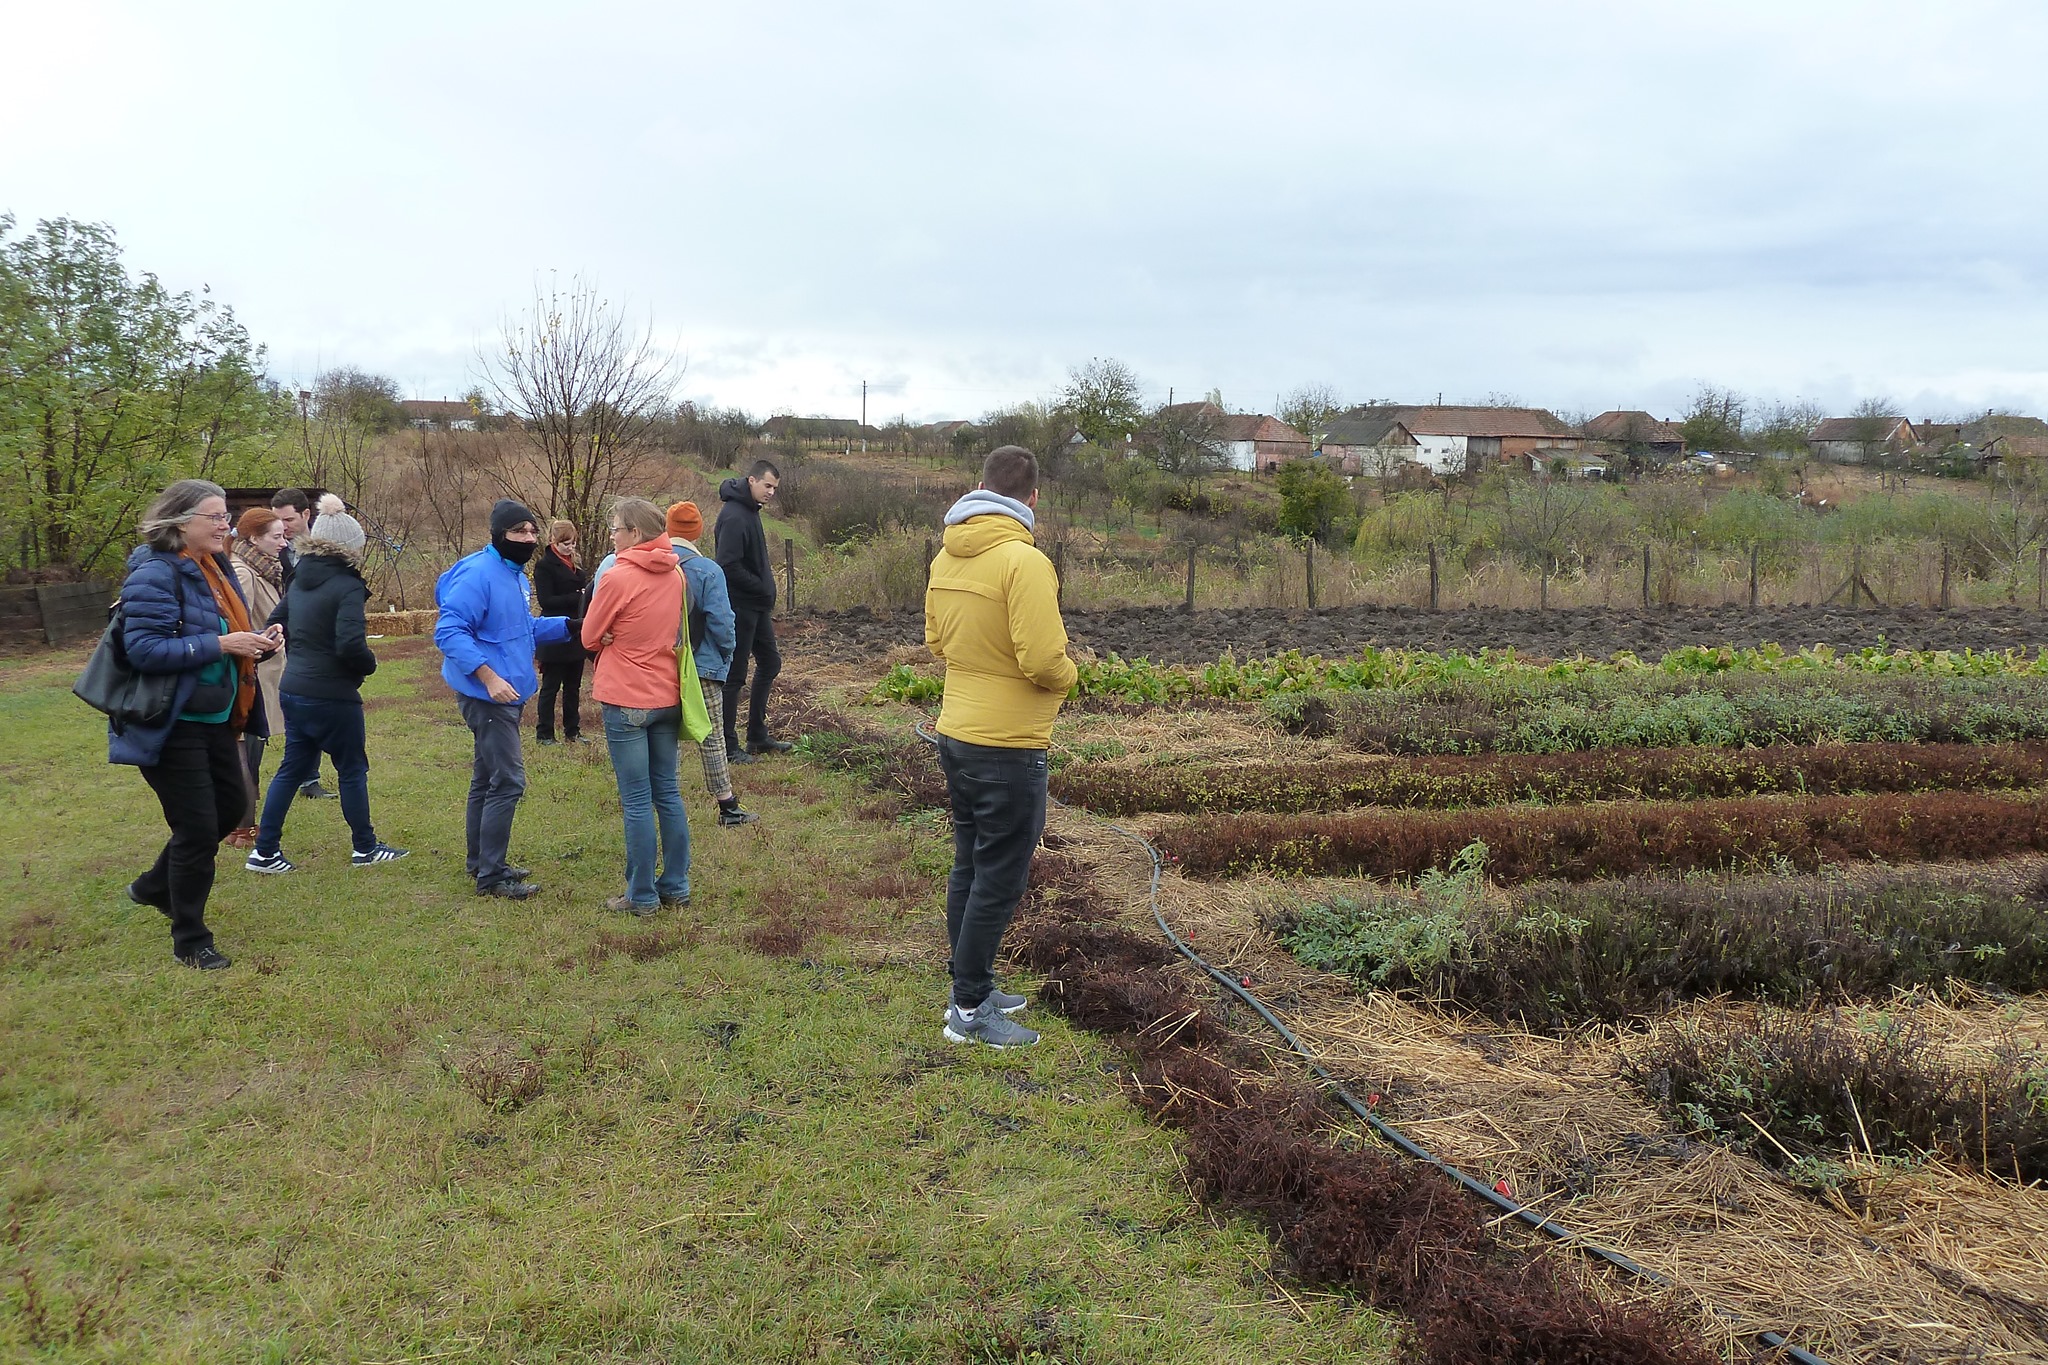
(1944, 577)
(1189, 604)
(2041, 579)
(1543, 589)
(1855, 577)
(1059, 572)
(1309, 558)
(1646, 578)
(789, 567)
(1755, 554)
(1433, 598)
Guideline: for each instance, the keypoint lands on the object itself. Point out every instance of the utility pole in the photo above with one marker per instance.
(863, 416)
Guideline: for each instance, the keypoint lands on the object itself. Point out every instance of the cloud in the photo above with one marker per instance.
(1585, 202)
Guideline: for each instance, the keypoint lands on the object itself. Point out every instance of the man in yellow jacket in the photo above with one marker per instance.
(992, 614)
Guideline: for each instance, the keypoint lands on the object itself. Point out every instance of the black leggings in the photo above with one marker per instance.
(203, 789)
(567, 678)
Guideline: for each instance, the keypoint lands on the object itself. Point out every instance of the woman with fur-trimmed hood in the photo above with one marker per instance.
(327, 657)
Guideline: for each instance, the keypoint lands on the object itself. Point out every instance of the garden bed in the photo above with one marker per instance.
(1619, 839)
(1491, 780)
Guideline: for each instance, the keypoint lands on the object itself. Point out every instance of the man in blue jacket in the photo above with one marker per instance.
(486, 634)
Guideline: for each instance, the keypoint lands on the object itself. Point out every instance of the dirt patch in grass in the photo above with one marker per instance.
(500, 1075)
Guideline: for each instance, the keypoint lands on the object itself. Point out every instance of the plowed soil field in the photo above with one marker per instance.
(1165, 635)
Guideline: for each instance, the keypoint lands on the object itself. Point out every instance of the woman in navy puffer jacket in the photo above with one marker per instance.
(183, 613)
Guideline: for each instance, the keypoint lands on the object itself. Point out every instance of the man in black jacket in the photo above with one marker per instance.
(743, 554)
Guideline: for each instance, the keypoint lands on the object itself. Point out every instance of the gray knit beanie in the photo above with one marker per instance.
(334, 532)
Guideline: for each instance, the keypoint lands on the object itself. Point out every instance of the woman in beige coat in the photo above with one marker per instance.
(259, 536)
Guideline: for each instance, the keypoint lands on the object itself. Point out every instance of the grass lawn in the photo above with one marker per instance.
(413, 1125)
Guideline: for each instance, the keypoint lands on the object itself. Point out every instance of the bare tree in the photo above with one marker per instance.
(1309, 410)
(1184, 444)
(589, 393)
(2012, 523)
(1875, 420)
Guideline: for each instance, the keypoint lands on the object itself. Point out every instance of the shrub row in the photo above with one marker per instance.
(1820, 1087)
(1390, 1230)
(1542, 715)
(1493, 780)
(1557, 955)
(1373, 669)
(1623, 839)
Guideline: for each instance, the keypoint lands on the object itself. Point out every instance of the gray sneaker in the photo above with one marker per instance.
(1004, 1001)
(987, 1025)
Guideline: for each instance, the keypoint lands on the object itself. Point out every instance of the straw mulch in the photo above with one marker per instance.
(1927, 1263)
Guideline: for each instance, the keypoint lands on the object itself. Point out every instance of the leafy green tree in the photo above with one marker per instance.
(1314, 500)
(1713, 421)
(112, 386)
(1105, 400)
(349, 410)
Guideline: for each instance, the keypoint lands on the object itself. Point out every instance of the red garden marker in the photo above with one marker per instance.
(1500, 1187)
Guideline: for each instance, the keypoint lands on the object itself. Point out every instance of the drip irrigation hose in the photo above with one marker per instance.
(1387, 1131)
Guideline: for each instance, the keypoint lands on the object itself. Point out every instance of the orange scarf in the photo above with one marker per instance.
(228, 596)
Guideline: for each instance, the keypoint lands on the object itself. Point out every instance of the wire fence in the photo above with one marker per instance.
(889, 574)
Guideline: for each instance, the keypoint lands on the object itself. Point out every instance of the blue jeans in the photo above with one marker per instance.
(643, 745)
(312, 726)
(998, 807)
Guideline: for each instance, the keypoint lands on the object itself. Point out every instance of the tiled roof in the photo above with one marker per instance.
(1433, 421)
(1252, 426)
(1624, 425)
(1367, 431)
(436, 410)
(1857, 429)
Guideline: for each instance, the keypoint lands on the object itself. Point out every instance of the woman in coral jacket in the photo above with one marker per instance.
(634, 620)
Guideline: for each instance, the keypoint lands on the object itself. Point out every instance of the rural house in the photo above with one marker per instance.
(1254, 441)
(1377, 446)
(1855, 440)
(1996, 437)
(1243, 440)
(1638, 433)
(1453, 440)
(442, 413)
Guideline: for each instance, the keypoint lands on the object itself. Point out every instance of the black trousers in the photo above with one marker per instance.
(201, 785)
(997, 798)
(754, 640)
(566, 678)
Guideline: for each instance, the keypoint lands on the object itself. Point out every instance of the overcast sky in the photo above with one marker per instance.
(1582, 205)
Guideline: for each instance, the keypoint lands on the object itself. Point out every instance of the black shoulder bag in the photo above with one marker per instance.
(112, 685)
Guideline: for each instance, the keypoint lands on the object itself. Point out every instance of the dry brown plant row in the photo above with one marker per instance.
(1617, 839)
(1449, 781)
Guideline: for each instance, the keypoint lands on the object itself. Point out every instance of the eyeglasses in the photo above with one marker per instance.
(618, 530)
(217, 518)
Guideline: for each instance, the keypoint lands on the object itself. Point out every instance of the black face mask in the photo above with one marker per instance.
(518, 551)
